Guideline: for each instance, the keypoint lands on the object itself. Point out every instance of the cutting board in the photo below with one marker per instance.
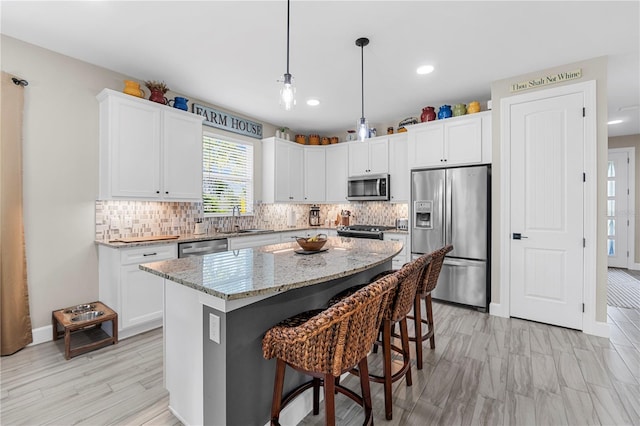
(143, 239)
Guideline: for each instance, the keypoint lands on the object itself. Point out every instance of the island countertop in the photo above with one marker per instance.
(245, 273)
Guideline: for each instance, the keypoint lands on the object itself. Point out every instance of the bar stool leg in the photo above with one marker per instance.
(417, 326)
(386, 350)
(427, 301)
(316, 396)
(365, 388)
(329, 400)
(406, 356)
(278, 384)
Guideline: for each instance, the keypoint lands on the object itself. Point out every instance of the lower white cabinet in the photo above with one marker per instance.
(136, 296)
(402, 257)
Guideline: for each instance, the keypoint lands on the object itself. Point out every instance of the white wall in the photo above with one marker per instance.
(60, 147)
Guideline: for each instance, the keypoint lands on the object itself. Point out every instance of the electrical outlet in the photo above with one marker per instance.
(128, 222)
(114, 223)
(175, 222)
(214, 328)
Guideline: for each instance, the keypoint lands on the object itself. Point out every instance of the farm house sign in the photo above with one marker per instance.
(546, 80)
(229, 122)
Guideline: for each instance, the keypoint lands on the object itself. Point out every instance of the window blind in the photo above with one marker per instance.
(227, 176)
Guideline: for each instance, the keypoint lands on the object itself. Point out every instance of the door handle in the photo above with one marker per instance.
(518, 236)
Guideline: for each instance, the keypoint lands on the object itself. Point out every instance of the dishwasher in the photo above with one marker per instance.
(200, 248)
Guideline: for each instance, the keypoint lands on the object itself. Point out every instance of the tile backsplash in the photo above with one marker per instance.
(121, 219)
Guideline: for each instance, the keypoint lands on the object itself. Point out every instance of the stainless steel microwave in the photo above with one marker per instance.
(368, 188)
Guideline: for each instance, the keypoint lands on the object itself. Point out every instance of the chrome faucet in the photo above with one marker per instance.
(234, 210)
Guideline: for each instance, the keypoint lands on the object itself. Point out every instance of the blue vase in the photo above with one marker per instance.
(444, 112)
(180, 103)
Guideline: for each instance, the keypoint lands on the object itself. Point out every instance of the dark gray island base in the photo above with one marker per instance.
(214, 369)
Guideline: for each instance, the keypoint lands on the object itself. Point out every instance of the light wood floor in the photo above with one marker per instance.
(485, 370)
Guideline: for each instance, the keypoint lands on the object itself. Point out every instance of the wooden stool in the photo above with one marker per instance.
(84, 322)
(409, 278)
(325, 344)
(429, 282)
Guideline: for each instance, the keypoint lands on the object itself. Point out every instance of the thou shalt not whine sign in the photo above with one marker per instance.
(546, 80)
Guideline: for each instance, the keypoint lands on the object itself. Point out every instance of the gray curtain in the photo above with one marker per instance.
(15, 322)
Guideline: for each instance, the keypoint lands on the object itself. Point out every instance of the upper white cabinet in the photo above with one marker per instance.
(282, 171)
(369, 157)
(400, 189)
(337, 172)
(314, 174)
(148, 150)
(451, 142)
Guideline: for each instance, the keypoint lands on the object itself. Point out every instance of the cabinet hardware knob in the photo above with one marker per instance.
(157, 192)
(166, 192)
(149, 254)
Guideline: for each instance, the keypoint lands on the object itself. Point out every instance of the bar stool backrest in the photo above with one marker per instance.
(409, 279)
(335, 340)
(432, 272)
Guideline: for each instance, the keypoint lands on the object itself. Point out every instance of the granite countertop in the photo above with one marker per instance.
(275, 268)
(188, 238)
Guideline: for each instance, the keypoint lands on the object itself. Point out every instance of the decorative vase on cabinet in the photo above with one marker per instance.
(428, 114)
(444, 112)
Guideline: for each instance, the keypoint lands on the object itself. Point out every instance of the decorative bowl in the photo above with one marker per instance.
(312, 245)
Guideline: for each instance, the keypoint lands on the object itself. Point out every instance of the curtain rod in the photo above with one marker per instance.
(19, 82)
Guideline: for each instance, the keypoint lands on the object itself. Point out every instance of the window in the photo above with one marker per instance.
(227, 175)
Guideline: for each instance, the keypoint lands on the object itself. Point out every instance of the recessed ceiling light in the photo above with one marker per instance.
(313, 102)
(615, 122)
(425, 69)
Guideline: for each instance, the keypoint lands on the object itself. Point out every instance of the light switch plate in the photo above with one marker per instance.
(214, 328)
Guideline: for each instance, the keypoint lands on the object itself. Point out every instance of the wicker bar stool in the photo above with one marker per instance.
(396, 311)
(428, 284)
(327, 343)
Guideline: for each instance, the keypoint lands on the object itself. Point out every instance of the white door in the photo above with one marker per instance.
(617, 208)
(547, 196)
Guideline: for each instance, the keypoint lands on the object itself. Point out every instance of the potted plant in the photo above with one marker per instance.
(158, 89)
(281, 132)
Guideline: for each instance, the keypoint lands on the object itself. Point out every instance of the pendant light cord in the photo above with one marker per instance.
(362, 75)
(288, 12)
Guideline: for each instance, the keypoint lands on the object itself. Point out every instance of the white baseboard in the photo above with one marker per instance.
(42, 335)
(496, 309)
(635, 266)
(597, 328)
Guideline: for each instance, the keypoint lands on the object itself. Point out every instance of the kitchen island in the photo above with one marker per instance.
(218, 307)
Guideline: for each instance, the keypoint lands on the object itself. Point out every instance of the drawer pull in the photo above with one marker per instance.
(149, 254)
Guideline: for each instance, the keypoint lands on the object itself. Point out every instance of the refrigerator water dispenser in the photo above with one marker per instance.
(422, 217)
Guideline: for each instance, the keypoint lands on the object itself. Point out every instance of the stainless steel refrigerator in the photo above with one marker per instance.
(452, 206)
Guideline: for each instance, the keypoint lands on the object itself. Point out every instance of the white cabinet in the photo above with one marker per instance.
(136, 295)
(337, 172)
(400, 185)
(249, 241)
(369, 157)
(314, 174)
(282, 168)
(402, 257)
(451, 142)
(148, 151)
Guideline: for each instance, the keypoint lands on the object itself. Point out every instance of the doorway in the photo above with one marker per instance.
(620, 202)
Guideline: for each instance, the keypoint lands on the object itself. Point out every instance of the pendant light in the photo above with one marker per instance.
(362, 125)
(288, 89)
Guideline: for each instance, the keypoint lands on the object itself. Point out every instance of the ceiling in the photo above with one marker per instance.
(230, 53)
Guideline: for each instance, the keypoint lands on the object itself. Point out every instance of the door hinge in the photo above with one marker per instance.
(583, 307)
(584, 242)
(584, 112)
(584, 177)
